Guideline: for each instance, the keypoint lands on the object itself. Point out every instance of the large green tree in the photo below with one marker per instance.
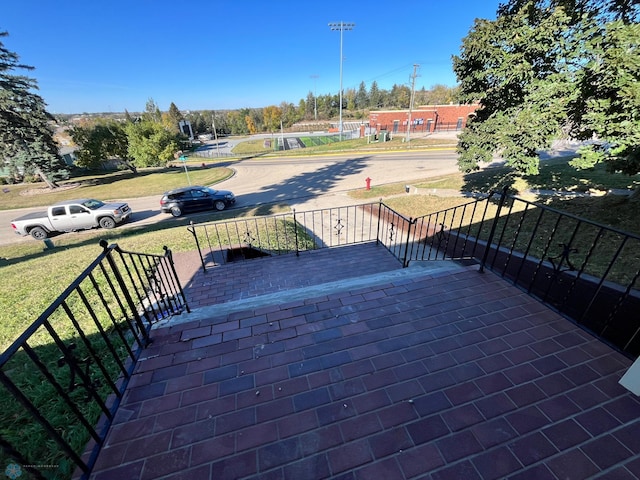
(608, 108)
(26, 134)
(547, 69)
(150, 144)
(272, 117)
(101, 141)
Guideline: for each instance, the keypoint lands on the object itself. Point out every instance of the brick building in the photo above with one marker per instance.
(428, 118)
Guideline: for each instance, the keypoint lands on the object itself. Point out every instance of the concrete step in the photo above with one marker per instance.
(416, 269)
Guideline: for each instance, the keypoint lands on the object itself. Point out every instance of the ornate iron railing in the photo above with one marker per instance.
(295, 232)
(62, 380)
(584, 270)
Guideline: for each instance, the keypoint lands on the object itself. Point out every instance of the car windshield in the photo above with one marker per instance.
(210, 191)
(93, 204)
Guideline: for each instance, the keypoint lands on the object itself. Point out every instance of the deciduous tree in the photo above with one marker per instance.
(546, 69)
(103, 140)
(272, 116)
(150, 144)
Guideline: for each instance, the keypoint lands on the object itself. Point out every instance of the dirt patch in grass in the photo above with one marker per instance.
(44, 190)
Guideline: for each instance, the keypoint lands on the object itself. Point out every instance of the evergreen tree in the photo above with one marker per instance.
(362, 97)
(375, 97)
(310, 106)
(26, 135)
(173, 117)
(152, 112)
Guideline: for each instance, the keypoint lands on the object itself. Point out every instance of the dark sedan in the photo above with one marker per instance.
(193, 199)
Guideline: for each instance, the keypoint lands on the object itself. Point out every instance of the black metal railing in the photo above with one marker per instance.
(582, 269)
(586, 271)
(62, 380)
(295, 232)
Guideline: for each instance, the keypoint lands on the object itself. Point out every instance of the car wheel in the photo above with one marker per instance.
(107, 222)
(38, 233)
(176, 211)
(219, 205)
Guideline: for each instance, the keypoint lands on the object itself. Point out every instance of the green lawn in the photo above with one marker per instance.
(555, 174)
(113, 185)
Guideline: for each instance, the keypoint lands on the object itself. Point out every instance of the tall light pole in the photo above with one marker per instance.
(342, 26)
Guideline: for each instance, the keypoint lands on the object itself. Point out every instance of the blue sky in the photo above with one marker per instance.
(110, 56)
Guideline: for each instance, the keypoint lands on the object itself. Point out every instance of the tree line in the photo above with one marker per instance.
(153, 137)
(356, 105)
(543, 70)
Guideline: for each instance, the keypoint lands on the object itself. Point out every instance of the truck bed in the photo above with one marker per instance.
(32, 216)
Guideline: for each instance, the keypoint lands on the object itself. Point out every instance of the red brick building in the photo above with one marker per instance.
(429, 118)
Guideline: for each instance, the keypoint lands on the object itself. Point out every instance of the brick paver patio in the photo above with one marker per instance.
(433, 375)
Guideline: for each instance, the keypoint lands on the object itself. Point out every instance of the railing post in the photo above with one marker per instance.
(295, 232)
(503, 197)
(406, 246)
(378, 227)
(192, 229)
(169, 255)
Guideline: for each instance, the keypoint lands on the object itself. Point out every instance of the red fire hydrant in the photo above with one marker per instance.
(368, 180)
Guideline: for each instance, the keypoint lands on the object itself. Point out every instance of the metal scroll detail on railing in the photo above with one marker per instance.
(62, 380)
(562, 258)
(75, 364)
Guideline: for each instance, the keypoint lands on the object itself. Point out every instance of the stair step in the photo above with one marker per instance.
(416, 269)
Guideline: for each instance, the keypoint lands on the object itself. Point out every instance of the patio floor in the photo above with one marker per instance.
(340, 364)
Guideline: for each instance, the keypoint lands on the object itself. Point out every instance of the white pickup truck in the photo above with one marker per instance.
(71, 215)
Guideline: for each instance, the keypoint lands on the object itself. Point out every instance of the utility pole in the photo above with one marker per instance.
(413, 92)
(215, 134)
(315, 98)
(342, 26)
(282, 135)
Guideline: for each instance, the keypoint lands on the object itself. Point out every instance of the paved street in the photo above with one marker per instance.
(303, 182)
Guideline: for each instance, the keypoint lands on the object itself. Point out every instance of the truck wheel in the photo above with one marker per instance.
(107, 222)
(175, 211)
(38, 233)
(219, 205)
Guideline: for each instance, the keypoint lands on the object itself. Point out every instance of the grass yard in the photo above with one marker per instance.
(113, 185)
(17, 427)
(555, 174)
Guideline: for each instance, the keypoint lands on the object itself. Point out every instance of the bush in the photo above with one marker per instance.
(29, 178)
